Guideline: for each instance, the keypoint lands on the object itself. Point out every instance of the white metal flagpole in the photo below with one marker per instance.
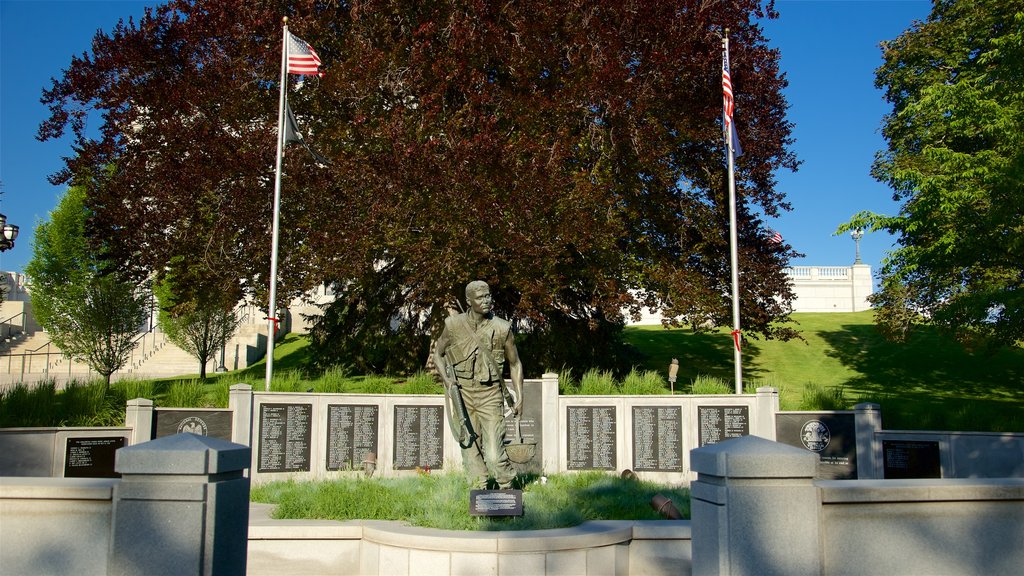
(272, 320)
(737, 334)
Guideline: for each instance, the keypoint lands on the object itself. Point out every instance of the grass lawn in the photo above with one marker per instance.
(929, 382)
(441, 500)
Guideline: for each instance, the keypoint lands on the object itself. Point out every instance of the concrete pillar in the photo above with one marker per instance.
(138, 416)
(181, 508)
(867, 422)
(862, 286)
(240, 404)
(549, 404)
(765, 407)
(754, 509)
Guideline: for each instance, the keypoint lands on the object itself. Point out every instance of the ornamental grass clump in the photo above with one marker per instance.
(639, 383)
(597, 382)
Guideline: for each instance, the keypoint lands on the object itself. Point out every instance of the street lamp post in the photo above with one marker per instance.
(8, 232)
(857, 234)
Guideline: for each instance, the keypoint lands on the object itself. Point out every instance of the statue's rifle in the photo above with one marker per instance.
(454, 390)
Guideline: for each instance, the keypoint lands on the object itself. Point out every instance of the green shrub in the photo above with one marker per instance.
(596, 382)
(133, 388)
(22, 406)
(334, 380)
(218, 395)
(422, 383)
(184, 394)
(90, 404)
(818, 397)
(710, 385)
(378, 385)
(567, 384)
(289, 381)
(642, 383)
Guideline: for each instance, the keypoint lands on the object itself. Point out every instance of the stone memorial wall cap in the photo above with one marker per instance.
(183, 453)
(753, 457)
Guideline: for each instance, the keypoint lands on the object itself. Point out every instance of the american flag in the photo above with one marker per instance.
(728, 105)
(727, 102)
(302, 59)
(774, 237)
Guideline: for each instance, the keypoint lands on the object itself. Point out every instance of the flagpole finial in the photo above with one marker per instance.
(284, 20)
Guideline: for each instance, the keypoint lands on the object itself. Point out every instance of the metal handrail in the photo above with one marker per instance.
(7, 322)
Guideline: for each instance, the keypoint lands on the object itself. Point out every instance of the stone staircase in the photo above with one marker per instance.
(34, 359)
(28, 356)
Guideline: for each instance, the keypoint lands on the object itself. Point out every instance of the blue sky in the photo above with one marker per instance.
(829, 53)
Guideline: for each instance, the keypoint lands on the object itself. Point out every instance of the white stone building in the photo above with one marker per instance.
(831, 288)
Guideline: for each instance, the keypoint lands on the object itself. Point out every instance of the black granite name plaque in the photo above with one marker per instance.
(285, 437)
(657, 438)
(832, 436)
(911, 459)
(495, 502)
(717, 423)
(91, 457)
(351, 434)
(591, 438)
(530, 425)
(212, 423)
(418, 440)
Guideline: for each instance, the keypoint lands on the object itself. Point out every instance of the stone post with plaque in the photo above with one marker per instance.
(181, 508)
(755, 509)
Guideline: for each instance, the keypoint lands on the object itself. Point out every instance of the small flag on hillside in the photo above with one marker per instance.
(302, 59)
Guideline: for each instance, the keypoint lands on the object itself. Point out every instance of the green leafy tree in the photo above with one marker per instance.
(196, 313)
(570, 154)
(955, 160)
(91, 311)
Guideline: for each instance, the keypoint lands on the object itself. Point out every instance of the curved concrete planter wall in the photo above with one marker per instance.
(392, 548)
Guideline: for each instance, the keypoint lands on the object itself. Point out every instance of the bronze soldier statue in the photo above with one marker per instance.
(471, 355)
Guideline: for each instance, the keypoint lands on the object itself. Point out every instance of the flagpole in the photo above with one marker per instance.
(272, 320)
(737, 334)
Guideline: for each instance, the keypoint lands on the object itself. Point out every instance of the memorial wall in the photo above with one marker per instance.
(311, 435)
